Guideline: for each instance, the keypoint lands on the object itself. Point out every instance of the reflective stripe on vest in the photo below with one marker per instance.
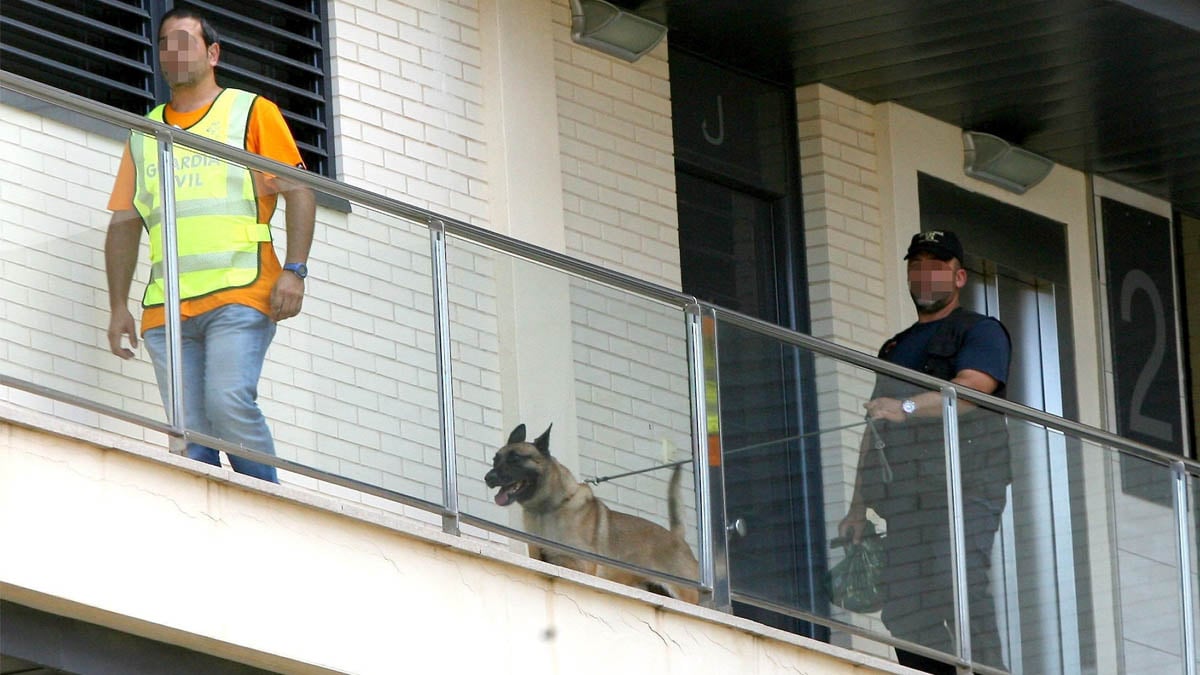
(216, 213)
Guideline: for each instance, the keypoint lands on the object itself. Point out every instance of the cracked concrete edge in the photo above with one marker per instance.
(410, 527)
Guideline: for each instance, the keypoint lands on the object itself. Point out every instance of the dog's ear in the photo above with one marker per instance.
(542, 442)
(517, 435)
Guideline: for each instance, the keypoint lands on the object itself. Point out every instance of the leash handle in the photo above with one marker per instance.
(879, 443)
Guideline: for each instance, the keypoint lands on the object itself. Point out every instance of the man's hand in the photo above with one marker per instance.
(121, 324)
(287, 296)
(884, 408)
(120, 258)
(852, 526)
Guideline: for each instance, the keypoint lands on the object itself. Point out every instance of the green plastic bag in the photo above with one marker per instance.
(854, 583)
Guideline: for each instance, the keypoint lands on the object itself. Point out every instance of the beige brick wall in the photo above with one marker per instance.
(632, 401)
(843, 234)
(843, 225)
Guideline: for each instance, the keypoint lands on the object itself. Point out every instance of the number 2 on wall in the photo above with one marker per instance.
(1134, 281)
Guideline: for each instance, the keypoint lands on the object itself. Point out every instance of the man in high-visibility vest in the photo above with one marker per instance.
(232, 286)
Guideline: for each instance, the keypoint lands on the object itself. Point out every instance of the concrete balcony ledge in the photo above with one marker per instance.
(103, 529)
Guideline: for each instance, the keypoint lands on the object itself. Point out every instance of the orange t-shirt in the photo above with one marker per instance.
(267, 134)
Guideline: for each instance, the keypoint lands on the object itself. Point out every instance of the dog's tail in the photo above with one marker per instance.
(674, 512)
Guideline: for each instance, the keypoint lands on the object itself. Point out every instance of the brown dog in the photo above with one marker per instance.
(561, 509)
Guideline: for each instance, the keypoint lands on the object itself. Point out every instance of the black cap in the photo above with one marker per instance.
(943, 244)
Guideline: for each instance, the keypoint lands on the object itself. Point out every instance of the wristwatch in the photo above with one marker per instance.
(299, 269)
(909, 406)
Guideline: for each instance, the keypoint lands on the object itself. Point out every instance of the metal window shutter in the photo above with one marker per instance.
(105, 50)
(100, 49)
(278, 48)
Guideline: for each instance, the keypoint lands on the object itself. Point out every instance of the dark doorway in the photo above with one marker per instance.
(741, 247)
(1017, 262)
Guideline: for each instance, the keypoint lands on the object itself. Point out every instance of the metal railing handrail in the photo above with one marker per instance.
(993, 403)
(566, 263)
(84, 403)
(437, 224)
(916, 648)
(357, 195)
(442, 225)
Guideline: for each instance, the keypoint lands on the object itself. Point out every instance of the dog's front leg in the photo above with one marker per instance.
(585, 566)
(536, 552)
(539, 553)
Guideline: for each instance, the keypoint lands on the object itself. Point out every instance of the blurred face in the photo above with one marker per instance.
(185, 60)
(932, 283)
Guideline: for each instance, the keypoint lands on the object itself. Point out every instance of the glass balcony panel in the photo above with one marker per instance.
(1015, 562)
(781, 452)
(1193, 524)
(1147, 626)
(349, 385)
(57, 169)
(607, 370)
(1087, 574)
(1084, 570)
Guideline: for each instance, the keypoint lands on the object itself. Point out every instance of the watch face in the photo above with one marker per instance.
(909, 406)
(300, 269)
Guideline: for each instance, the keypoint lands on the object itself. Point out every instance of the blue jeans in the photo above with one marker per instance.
(223, 352)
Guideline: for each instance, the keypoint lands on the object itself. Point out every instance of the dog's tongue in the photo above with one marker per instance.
(503, 498)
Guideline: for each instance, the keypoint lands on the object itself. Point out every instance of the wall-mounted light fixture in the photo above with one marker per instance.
(992, 159)
(612, 30)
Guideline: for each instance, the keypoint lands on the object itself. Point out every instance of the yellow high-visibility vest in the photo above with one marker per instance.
(216, 213)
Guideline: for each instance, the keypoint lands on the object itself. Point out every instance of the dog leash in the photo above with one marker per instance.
(602, 479)
(884, 466)
(596, 480)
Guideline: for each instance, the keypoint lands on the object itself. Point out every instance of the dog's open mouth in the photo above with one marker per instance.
(509, 492)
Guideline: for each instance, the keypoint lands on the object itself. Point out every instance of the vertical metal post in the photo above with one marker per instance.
(1183, 543)
(170, 276)
(709, 470)
(441, 331)
(958, 549)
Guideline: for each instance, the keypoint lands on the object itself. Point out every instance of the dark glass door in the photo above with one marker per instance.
(741, 247)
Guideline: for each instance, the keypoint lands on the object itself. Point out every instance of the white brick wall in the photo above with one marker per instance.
(476, 368)
(407, 101)
(617, 158)
(349, 386)
(619, 197)
(53, 298)
(407, 97)
(843, 230)
(631, 390)
(632, 398)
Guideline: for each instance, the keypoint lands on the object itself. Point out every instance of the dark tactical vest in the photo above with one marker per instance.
(915, 450)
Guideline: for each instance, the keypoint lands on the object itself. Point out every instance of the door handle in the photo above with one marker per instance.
(738, 527)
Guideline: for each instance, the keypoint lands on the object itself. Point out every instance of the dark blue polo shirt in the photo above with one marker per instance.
(984, 348)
